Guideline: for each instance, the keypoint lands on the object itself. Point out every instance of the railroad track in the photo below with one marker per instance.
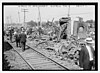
(38, 61)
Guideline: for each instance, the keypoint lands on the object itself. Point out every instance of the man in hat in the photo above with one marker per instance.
(10, 34)
(17, 38)
(23, 40)
(86, 56)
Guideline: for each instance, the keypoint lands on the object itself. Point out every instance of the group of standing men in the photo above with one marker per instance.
(19, 36)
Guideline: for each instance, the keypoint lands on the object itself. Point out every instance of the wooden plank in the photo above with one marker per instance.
(34, 63)
(47, 63)
(35, 58)
(50, 68)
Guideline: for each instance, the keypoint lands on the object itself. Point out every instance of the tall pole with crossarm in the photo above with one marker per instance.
(24, 11)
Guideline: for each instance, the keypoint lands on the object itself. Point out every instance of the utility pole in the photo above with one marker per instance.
(39, 16)
(39, 24)
(7, 20)
(19, 16)
(10, 19)
(68, 31)
(69, 11)
(24, 11)
(52, 20)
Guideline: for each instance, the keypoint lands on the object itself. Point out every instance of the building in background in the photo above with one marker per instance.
(80, 28)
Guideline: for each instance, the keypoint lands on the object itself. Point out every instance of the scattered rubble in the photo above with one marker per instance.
(67, 57)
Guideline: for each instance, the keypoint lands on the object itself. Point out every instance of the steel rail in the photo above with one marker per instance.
(32, 68)
(22, 57)
(48, 58)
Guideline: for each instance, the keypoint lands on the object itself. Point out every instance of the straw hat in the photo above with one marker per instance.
(89, 40)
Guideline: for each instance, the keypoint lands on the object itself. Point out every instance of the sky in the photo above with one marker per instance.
(47, 12)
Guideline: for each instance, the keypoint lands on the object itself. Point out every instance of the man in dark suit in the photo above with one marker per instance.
(86, 56)
(10, 34)
(23, 40)
(17, 38)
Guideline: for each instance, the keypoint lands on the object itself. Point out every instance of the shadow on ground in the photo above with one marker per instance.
(5, 64)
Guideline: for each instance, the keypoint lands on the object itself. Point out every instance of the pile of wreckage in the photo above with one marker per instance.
(51, 38)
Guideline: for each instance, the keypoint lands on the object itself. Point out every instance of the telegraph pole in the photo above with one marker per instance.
(52, 20)
(39, 23)
(39, 16)
(24, 11)
(69, 24)
(69, 11)
(10, 19)
(7, 20)
(19, 16)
